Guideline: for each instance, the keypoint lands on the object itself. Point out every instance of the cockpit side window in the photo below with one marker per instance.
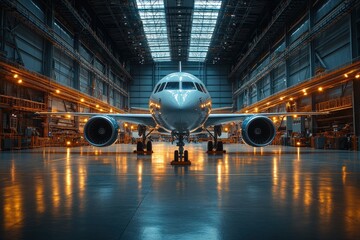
(199, 87)
(157, 88)
(172, 86)
(203, 88)
(162, 87)
(188, 86)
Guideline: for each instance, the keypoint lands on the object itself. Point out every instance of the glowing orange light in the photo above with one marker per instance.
(111, 110)
(68, 143)
(346, 75)
(304, 90)
(305, 93)
(125, 124)
(298, 143)
(295, 115)
(82, 100)
(256, 109)
(15, 75)
(226, 129)
(20, 81)
(282, 98)
(357, 76)
(268, 103)
(97, 105)
(57, 91)
(291, 99)
(247, 111)
(320, 89)
(85, 120)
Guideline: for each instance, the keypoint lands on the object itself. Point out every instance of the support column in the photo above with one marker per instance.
(76, 81)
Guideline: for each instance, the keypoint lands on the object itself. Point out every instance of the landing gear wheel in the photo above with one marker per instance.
(186, 155)
(210, 146)
(176, 155)
(149, 147)
(139, 147)
(220, 146)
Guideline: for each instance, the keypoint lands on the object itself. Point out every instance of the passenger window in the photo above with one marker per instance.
(162, 87)
(188, 86)
(172, 86)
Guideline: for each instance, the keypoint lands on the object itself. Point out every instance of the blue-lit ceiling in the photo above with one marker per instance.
(193, 46)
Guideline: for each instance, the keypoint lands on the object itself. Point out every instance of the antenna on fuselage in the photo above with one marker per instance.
(179, 66)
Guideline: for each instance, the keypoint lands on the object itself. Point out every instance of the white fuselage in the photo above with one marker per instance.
(180, 103)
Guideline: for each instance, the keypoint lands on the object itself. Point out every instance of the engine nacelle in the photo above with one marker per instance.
(101, 131)
(258, 131)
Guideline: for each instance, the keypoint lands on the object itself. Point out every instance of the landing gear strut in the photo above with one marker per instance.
(141, 145)
(181, 156)
(216, 146)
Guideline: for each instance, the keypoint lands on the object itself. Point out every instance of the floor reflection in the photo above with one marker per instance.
(120, 194)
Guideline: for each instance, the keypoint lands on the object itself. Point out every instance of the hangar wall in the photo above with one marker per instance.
(53, 59)
(303, 68)
(215, 78)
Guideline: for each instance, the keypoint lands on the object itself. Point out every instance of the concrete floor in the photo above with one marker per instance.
(111, 193)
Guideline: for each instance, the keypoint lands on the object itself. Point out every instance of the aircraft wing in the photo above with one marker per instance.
(218, 119)
(143, 119)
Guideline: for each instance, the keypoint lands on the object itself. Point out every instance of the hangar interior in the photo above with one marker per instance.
(107, 56)
(101, 56)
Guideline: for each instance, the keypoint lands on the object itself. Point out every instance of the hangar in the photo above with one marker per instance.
(294, 63)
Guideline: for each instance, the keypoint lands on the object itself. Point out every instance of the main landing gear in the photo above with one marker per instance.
(181, 156)
(140, 146)
(216, 147)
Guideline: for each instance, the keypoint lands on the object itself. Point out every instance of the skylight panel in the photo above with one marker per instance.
(204, 21)
(152, 14)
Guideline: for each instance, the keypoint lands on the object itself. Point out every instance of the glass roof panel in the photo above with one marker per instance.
(204, 20)
(152, 14)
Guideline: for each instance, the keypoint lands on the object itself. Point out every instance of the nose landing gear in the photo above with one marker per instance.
(181, 156)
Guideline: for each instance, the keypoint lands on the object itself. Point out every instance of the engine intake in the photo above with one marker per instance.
(258, 131)
(101, 131)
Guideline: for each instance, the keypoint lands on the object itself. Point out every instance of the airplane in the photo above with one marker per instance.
(180, 105)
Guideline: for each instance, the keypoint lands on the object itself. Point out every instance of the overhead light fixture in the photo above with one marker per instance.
(320, 89)
(20, 81)
(57, 91)
(357, 75)
(15, 75)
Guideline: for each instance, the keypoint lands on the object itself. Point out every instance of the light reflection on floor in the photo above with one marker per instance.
(112, 193)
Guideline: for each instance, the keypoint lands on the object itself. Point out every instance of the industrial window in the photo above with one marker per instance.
(188, 86)
(204, 21)
(152, 14)
(172, 86)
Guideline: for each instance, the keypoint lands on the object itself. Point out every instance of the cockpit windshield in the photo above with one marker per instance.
(172, 86)
(188, 86)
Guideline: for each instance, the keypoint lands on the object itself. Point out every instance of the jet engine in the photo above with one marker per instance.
(101, 131)
(258, 131)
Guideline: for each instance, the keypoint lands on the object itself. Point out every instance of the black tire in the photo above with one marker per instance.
(176, 155)
(186, 156)
(210, 146)
(139, 147)
(220, 146)
(149, 146)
